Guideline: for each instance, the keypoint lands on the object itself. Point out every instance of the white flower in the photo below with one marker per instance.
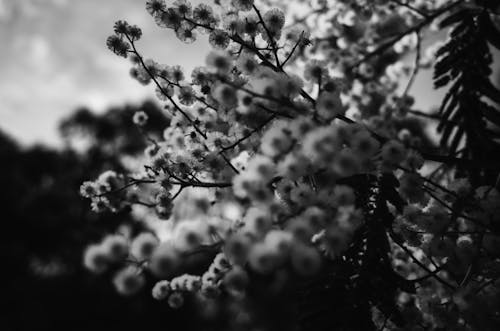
(293, 166)
(393, 152)
(219, 60)
(243, 5)
(329, 105)
(116, 247)
(276, 140)
(129, 280)
(274, 19)
(96, 259)
(164, 260)
(225, 95)
(140, 118)
(143, 246)
(236, 280)
(161, 290)
(262, 258)
(176, 300)
(258, 220)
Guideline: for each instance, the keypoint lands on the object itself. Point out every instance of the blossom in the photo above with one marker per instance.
(243, 5)
(129, 280)
(164, 260)
(219, 39)
(236, 280)
(116, 247)
(175, 300)
(262, 259)
(276, 140)
(96, 258)
(257, 220)
(293, 166)
(140, 118)
(183, 7)
(203, 14)
(237, 248)
(161, 290)
(329, 105)
(88, 189)
(117, 45)
(393, 152)
(221, 61)
(274, 19)
(169, 18)
(143, 246)
(155, 7)
(225, 95)
(187, 95)
(315, 70)
(186, 33)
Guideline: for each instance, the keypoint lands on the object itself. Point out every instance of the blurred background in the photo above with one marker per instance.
(54, 59)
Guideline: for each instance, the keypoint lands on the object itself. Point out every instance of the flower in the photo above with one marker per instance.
(274, 19)
(116, 247)
(243, 5)
(176, 300)
(247, 64)
(155, 7)
(393, 152)
(219, 39)
(200, 76)
(183, 7)
(140, 118)
(315, 70)
(143, 246)
(203, 14)
(161, 290)
(169, 18)
(258, 220)
(129, 280)
(187, 95)
(88, 189)
(121, 27)
(225, 95)
(329, 105)
(134, 32)
(251, 25)
(96, 258)
(186, 33)
(221, 61)
(276, 140)
(262, 259)
(164, 260)
(236, 281)
(117, 45)
(237, 248)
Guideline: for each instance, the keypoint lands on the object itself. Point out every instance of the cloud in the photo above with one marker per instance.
(56, 60)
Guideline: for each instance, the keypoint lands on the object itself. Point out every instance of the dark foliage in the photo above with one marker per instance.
(46, 225)
(469, 110)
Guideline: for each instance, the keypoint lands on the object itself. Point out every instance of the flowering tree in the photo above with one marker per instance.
(298, 183)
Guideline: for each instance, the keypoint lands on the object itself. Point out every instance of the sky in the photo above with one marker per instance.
(53, 59)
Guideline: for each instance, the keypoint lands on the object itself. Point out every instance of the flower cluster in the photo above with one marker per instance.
(288, 161)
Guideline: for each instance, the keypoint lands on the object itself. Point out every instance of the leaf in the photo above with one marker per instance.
(490, 31)
(460, 15)
(492, 114)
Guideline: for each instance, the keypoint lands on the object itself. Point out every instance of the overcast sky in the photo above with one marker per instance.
(53, 59)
